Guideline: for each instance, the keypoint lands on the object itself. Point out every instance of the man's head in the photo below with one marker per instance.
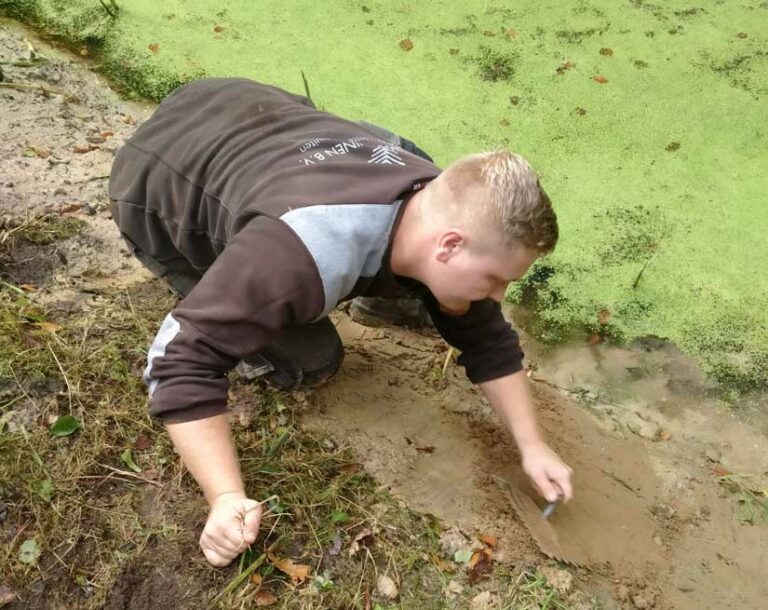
(482, 223)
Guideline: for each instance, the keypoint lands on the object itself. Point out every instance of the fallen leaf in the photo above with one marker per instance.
(594, 339)
(69, 208)
(29, 551)
(665, 435)
(606, 51)
(673, 146)
(479, 566)
(218, 29)
(564, 67)
(387, 587)
(504, 123)
(721, 472)
(128, 119)
(581, 111)
(40, 151)
(257, 579)
(127, 459)
(488, 540)
(80, 150)
(453, 51)
(298, 572)
(154, 47)
(441, 564)
(462, 556)
(28, 287)
(6, 596)
(363, 539)
(264, 598)
(603, 316)
(600, 79)
(511, 34)
(65, 425)
(741, 35)
(48, 326)
(143, 443)
(406, 44)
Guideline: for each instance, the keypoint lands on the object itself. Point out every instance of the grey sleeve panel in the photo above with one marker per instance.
(168, 330)
(346, 241)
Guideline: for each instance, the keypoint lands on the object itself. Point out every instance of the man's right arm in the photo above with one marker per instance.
(206, 449)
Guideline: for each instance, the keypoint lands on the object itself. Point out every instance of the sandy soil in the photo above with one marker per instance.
(654, 523)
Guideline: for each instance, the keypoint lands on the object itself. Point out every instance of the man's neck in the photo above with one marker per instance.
(404, 258)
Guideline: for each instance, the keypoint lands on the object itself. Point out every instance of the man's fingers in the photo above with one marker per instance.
(564, 483)
(215, 558)
(251, 521)
(546, 488)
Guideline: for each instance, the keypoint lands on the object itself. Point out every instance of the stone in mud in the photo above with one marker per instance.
(643, 427)
(560, 580)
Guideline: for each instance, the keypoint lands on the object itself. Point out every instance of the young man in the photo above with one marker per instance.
(265, 213)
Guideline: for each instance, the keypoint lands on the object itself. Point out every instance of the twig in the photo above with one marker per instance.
(448, 357)
(109, 10)
(40, 87)
(237, 581)
(306, 87)
(70, 391)
(132, 475)
(639, 275)
(24, 64)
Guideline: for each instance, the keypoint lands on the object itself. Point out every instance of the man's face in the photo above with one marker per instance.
(462, 272)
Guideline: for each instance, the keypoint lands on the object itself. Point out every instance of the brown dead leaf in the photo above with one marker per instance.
(264, 598)
(741, 35)
(606, 51)
(6, 596)
(28, 287)
(511, 34)
(363, 539)
(600, 79)
(298, 572)
(143, 443)
(564, 67)
(603, 316)
(351, 468)
(594, 339)
(665, 435)
(218, 29)
(406, 44)
(453, 51)
(442, 565)
(721, 472)
(107, 134)
(85, 149)
(479, 566)
(504, 122)
(40, 151)
(69, 208)
(257, 579)
(48, 326)
(154, 47)
(488, 540)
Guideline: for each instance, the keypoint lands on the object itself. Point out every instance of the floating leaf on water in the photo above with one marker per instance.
(154, 47)
(511, 34)
(600, 79)
(65, 425)
(606, 51)
(29, 551)
(453, 51)
(406, 44)
(127, 458)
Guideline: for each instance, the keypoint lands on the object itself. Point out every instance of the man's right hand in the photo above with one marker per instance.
(232, 526)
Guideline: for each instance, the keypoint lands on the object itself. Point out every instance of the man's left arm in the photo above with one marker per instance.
(511, 399)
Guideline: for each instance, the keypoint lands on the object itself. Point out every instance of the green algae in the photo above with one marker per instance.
(658, 173)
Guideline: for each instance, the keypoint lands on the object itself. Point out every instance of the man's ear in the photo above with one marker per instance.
(449, 244)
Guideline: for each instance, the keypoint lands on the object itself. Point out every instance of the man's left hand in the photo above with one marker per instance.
(550, 475)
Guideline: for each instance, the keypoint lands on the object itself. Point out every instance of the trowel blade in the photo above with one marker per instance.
(542, 531)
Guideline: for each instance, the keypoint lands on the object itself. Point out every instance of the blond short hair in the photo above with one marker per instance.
(502, 188)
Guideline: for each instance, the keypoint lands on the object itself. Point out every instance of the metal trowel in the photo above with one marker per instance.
(537, 523)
